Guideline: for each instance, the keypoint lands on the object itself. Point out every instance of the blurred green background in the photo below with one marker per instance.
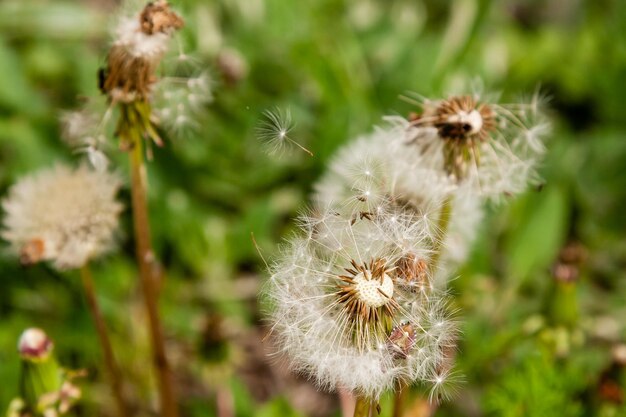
(543, 296)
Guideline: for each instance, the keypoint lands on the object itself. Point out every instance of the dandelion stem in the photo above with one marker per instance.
(442, 230)
(399, 398)
(145, 257)
(115, 376)
(363, 407)
(443, 222)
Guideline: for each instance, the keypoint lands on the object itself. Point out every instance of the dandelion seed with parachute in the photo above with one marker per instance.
(274, 130)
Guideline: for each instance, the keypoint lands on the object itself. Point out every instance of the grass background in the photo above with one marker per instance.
(531, 346)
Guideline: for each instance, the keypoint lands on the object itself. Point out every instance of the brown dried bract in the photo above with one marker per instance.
(158, 17)
(32, 252)
(412, 269)
(129, 77)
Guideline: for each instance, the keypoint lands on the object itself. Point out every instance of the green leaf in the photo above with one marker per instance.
(540, 233)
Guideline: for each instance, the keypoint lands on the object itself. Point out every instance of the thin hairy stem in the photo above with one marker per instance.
(399, 398)
(347, 402)
(422, 407)
(114, 374)
(135, 130)
(363, 407)
(442, 230)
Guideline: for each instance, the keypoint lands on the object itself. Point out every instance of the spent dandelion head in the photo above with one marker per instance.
(274, 131)
(140, 43)
(129, 78)
(62, 215)
(492, 147)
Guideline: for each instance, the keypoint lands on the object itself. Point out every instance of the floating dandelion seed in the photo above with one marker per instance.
(274, 130)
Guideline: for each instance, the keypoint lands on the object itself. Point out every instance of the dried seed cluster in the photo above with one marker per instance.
(136, 53)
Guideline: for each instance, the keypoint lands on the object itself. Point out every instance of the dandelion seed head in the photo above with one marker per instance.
(483, 145)
(62, 215)
(398, 180)
(339, 295)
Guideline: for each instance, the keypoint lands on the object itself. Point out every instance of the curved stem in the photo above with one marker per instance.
(115, 376)
(148, 270)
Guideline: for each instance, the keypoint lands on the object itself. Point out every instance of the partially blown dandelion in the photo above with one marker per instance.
(493, 148)
(352, 307)
(62, 215)
(354, 302)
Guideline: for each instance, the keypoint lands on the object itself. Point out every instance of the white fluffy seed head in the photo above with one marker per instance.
(146, 35)
(347, 312)
(381, 163)
(62, 215)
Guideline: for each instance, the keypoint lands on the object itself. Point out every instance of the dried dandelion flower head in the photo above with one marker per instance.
(140, 44)
(62, 215)
(491, 147)
(352, 306)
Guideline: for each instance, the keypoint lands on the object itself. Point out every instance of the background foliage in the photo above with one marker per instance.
(532, 345)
